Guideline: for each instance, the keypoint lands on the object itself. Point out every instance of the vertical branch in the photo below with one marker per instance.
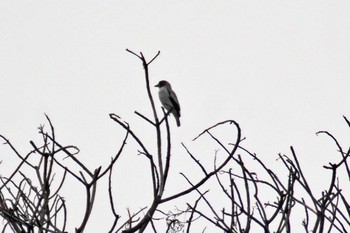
(160, 189)
(111, 201)
(285, 220)
(90, 199)
(145, 65)
(168, 151)
(247, 190)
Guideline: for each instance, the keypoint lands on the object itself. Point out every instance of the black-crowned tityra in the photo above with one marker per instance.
(169, 100)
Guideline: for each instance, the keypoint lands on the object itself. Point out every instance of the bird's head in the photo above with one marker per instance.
(163, 83)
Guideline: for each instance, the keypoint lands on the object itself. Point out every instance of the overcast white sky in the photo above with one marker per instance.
(279, 68)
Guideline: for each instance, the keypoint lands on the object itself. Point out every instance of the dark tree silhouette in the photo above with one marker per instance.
(31, 195)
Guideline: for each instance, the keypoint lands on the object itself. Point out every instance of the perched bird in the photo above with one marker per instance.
(169, 100)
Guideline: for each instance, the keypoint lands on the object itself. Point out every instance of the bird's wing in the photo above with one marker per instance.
(174, 101)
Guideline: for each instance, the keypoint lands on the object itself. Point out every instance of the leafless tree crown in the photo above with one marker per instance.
(256, 198)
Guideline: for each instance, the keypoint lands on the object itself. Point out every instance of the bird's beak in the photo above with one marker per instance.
(156, 85)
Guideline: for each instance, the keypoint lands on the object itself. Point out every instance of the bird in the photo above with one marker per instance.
(169, 99)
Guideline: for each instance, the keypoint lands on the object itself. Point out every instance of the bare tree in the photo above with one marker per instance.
(159, 164)
(246, 193)
(31, 197)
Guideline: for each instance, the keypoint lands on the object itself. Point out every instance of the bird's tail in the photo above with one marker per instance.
(177, 118)
(177, 121)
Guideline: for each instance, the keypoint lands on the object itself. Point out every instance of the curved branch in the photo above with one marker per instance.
(207, 177)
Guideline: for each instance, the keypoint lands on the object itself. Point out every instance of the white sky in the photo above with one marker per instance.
(279, 68)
